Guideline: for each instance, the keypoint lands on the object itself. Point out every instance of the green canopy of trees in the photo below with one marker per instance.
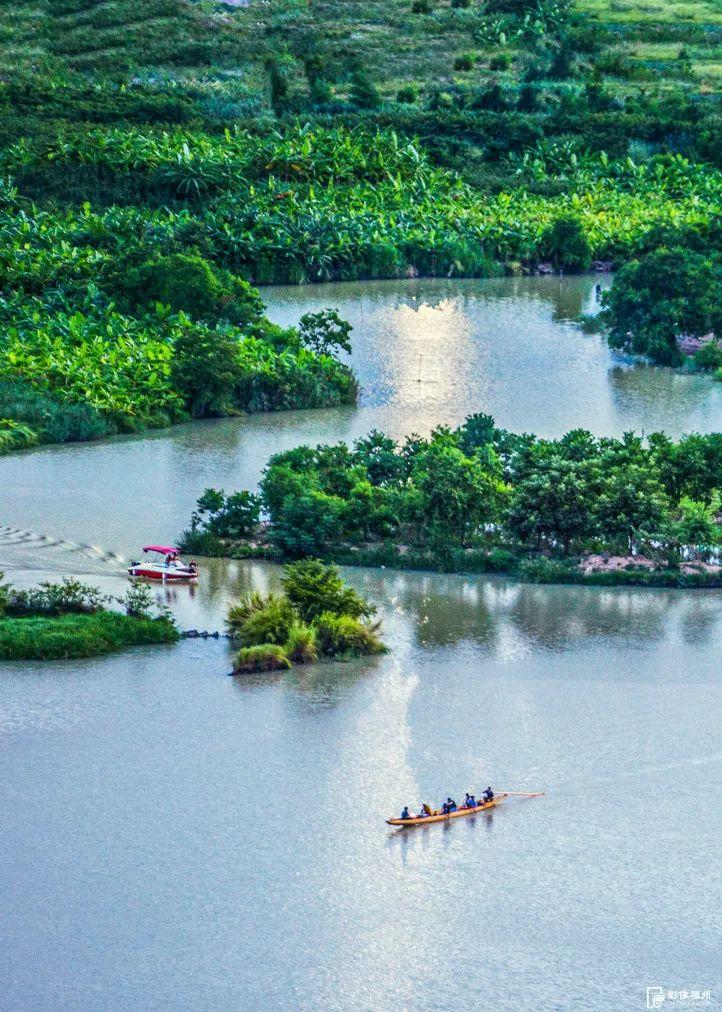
(480, 486)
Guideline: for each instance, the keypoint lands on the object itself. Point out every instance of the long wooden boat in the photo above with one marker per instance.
(442, 817)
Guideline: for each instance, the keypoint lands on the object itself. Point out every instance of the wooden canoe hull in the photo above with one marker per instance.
(460, 813)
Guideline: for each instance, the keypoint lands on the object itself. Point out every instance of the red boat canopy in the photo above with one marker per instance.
(165, 549)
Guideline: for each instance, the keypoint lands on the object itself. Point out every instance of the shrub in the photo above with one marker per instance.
(407, 94)
(465, 62)
(138, 600)
(421, 7)
(53, 420)
(200, 542)
(344, 636)
(502, 61)
(69, 596)
(364, 92)
(460, 4)
(302, 644)
(187, 282)
(544, 570)
(5, 589)
(566, 244)
(254, 602)
(269, 624)
(15, 436)
(264, 657)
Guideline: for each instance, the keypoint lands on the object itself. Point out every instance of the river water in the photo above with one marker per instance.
(173, 838)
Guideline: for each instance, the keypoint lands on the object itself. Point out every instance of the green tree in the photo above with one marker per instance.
(206, 370)
(238, 517)
(696, 523)
(309, 524)
(364, 92)
(378, 454)
(371, 511)
(283, 481)
(632, 504)
(555, 502)
(325, 332)
(459, 495)
(315, 588)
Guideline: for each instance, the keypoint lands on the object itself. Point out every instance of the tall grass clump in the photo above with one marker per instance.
(316, 615)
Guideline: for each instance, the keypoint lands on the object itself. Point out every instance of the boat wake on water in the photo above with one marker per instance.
(16, 538)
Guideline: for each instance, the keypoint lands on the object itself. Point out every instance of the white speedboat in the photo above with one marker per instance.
(164, 563)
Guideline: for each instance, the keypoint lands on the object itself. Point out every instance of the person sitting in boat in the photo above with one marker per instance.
(193, 566)
(488, 795)
(451, 804)
(405, 813)
(425, 811)
(472, 801)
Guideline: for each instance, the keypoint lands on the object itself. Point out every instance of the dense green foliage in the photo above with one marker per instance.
(108, 325)
(64, 620)
(665, 295)
(173, 154)
(318, 615)
(481, 497)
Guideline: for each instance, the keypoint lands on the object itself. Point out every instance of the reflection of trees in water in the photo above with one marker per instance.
(659, 398)
(554, 617)
(568, 296)
(700, 621)
(444, 608)
(448, 609)
(311, 688)
(225, 579)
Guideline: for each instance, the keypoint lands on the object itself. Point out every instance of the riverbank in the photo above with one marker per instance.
(589, 570)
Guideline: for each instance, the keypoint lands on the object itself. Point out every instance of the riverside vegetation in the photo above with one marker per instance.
(482, 499)
(317, 616)
(155, 163)
(56, 621)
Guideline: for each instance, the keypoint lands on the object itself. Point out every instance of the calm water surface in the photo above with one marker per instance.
(176, 839)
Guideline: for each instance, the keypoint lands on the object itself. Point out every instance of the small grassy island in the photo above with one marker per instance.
(480, 499)
(317, 616)
(57, 621)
